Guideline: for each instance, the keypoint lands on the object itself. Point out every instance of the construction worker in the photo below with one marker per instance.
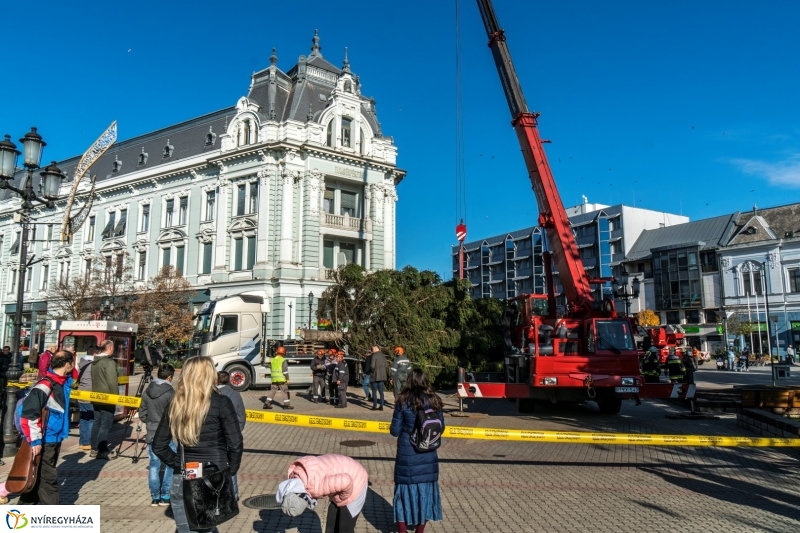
(330, 366)
(399, 371)
(341, 376)
(279, 376)
(688, 364)
(318, 373)
(675, 368)
(651, 368)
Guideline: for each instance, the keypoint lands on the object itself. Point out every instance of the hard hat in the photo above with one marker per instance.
(654, 349)
(399, 350)
(320, 352)
(280, 350)
(332, 350)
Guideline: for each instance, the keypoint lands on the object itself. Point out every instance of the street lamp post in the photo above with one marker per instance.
(310, 305)
(51, 177)
(625, 290)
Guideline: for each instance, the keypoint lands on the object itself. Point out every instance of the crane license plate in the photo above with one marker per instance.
(628, 390)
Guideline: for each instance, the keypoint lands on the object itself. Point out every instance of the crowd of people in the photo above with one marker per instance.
(331, 373)
(201, 420)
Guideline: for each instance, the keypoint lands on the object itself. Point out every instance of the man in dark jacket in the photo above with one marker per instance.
(330, 366)
(104, 379)
(377, 376)
(400, 369)
(341, 375)
(365, 381)
(155, 402)
(5, 363)
(53, 393)
(318, 374)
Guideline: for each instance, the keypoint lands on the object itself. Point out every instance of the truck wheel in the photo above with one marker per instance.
(526, 405)
(609, 405)
(240, 377)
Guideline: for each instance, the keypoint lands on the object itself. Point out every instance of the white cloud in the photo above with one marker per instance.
(784, 173)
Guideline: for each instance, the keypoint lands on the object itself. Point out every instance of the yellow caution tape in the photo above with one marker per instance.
(456, 432)
(100, 397)
(20, 385)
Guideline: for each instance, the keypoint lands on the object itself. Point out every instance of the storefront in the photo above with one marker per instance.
(34, 325)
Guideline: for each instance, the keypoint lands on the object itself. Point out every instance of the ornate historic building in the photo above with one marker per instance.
(270, 195)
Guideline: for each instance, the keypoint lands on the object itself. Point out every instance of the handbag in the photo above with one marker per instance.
(208, 500)
(25, 469)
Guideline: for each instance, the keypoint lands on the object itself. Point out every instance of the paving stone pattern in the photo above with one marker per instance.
(490, 486)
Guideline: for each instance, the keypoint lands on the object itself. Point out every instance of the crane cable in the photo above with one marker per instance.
(461, 181)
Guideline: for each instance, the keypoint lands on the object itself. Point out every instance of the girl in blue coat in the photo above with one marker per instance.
(416, 475)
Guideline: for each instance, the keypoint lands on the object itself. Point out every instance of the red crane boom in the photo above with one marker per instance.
(552, 215)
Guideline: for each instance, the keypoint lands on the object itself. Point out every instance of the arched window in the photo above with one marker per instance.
(346, 132)
(329, 140)
(246, 125)
(362, 147)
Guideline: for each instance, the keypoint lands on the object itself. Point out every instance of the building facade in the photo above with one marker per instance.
(511, 264)
(270, 195)
(708, 274)
(760, 272)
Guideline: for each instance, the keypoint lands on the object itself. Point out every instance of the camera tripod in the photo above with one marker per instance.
(137, 451)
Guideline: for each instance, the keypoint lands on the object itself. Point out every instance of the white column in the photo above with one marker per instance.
(286, 217)
(300, 212)
(222, 225)
(388, 228)
(262, 239)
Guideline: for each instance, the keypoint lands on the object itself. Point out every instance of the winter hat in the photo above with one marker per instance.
(292, 496)
(294, 504)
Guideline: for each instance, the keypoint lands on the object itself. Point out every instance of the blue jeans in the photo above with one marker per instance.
(377, 386)
(365, 384)
(86, 423)
(159, 490)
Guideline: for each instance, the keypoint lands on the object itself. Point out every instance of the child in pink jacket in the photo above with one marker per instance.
(341, 479)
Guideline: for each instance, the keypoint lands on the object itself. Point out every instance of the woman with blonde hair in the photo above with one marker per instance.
(201, 421)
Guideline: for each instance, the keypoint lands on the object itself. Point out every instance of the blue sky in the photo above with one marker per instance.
(688, 107)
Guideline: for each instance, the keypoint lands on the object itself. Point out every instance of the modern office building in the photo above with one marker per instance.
(510, 264)
(268, 195)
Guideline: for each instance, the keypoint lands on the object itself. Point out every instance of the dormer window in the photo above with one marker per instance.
(142, 157)
(348, 86)
(116, 165)
(210, 137)
(168, 150)
(346, 132)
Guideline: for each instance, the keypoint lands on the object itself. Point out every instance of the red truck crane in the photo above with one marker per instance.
(589, 353)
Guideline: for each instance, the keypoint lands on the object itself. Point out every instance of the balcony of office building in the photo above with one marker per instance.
(345, 222)
(343, 210)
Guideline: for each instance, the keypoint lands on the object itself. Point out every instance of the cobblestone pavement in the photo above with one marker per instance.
(487, 485)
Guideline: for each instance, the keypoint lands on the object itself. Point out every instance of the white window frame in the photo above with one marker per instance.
(149, 219)
(209, 215)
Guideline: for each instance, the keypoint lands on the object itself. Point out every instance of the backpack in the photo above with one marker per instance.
(18, 407)
(427, 433)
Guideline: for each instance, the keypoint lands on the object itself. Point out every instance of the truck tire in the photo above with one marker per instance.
(609, 405)
(240, 377)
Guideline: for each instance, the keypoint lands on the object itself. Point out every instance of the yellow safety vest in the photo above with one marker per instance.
(276, 369)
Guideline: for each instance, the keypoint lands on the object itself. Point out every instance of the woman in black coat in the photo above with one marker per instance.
(416, 475)
(201, 421)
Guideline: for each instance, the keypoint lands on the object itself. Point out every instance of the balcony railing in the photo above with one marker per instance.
(345, 222)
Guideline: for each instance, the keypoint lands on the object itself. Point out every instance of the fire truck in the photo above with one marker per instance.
(585, 353)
